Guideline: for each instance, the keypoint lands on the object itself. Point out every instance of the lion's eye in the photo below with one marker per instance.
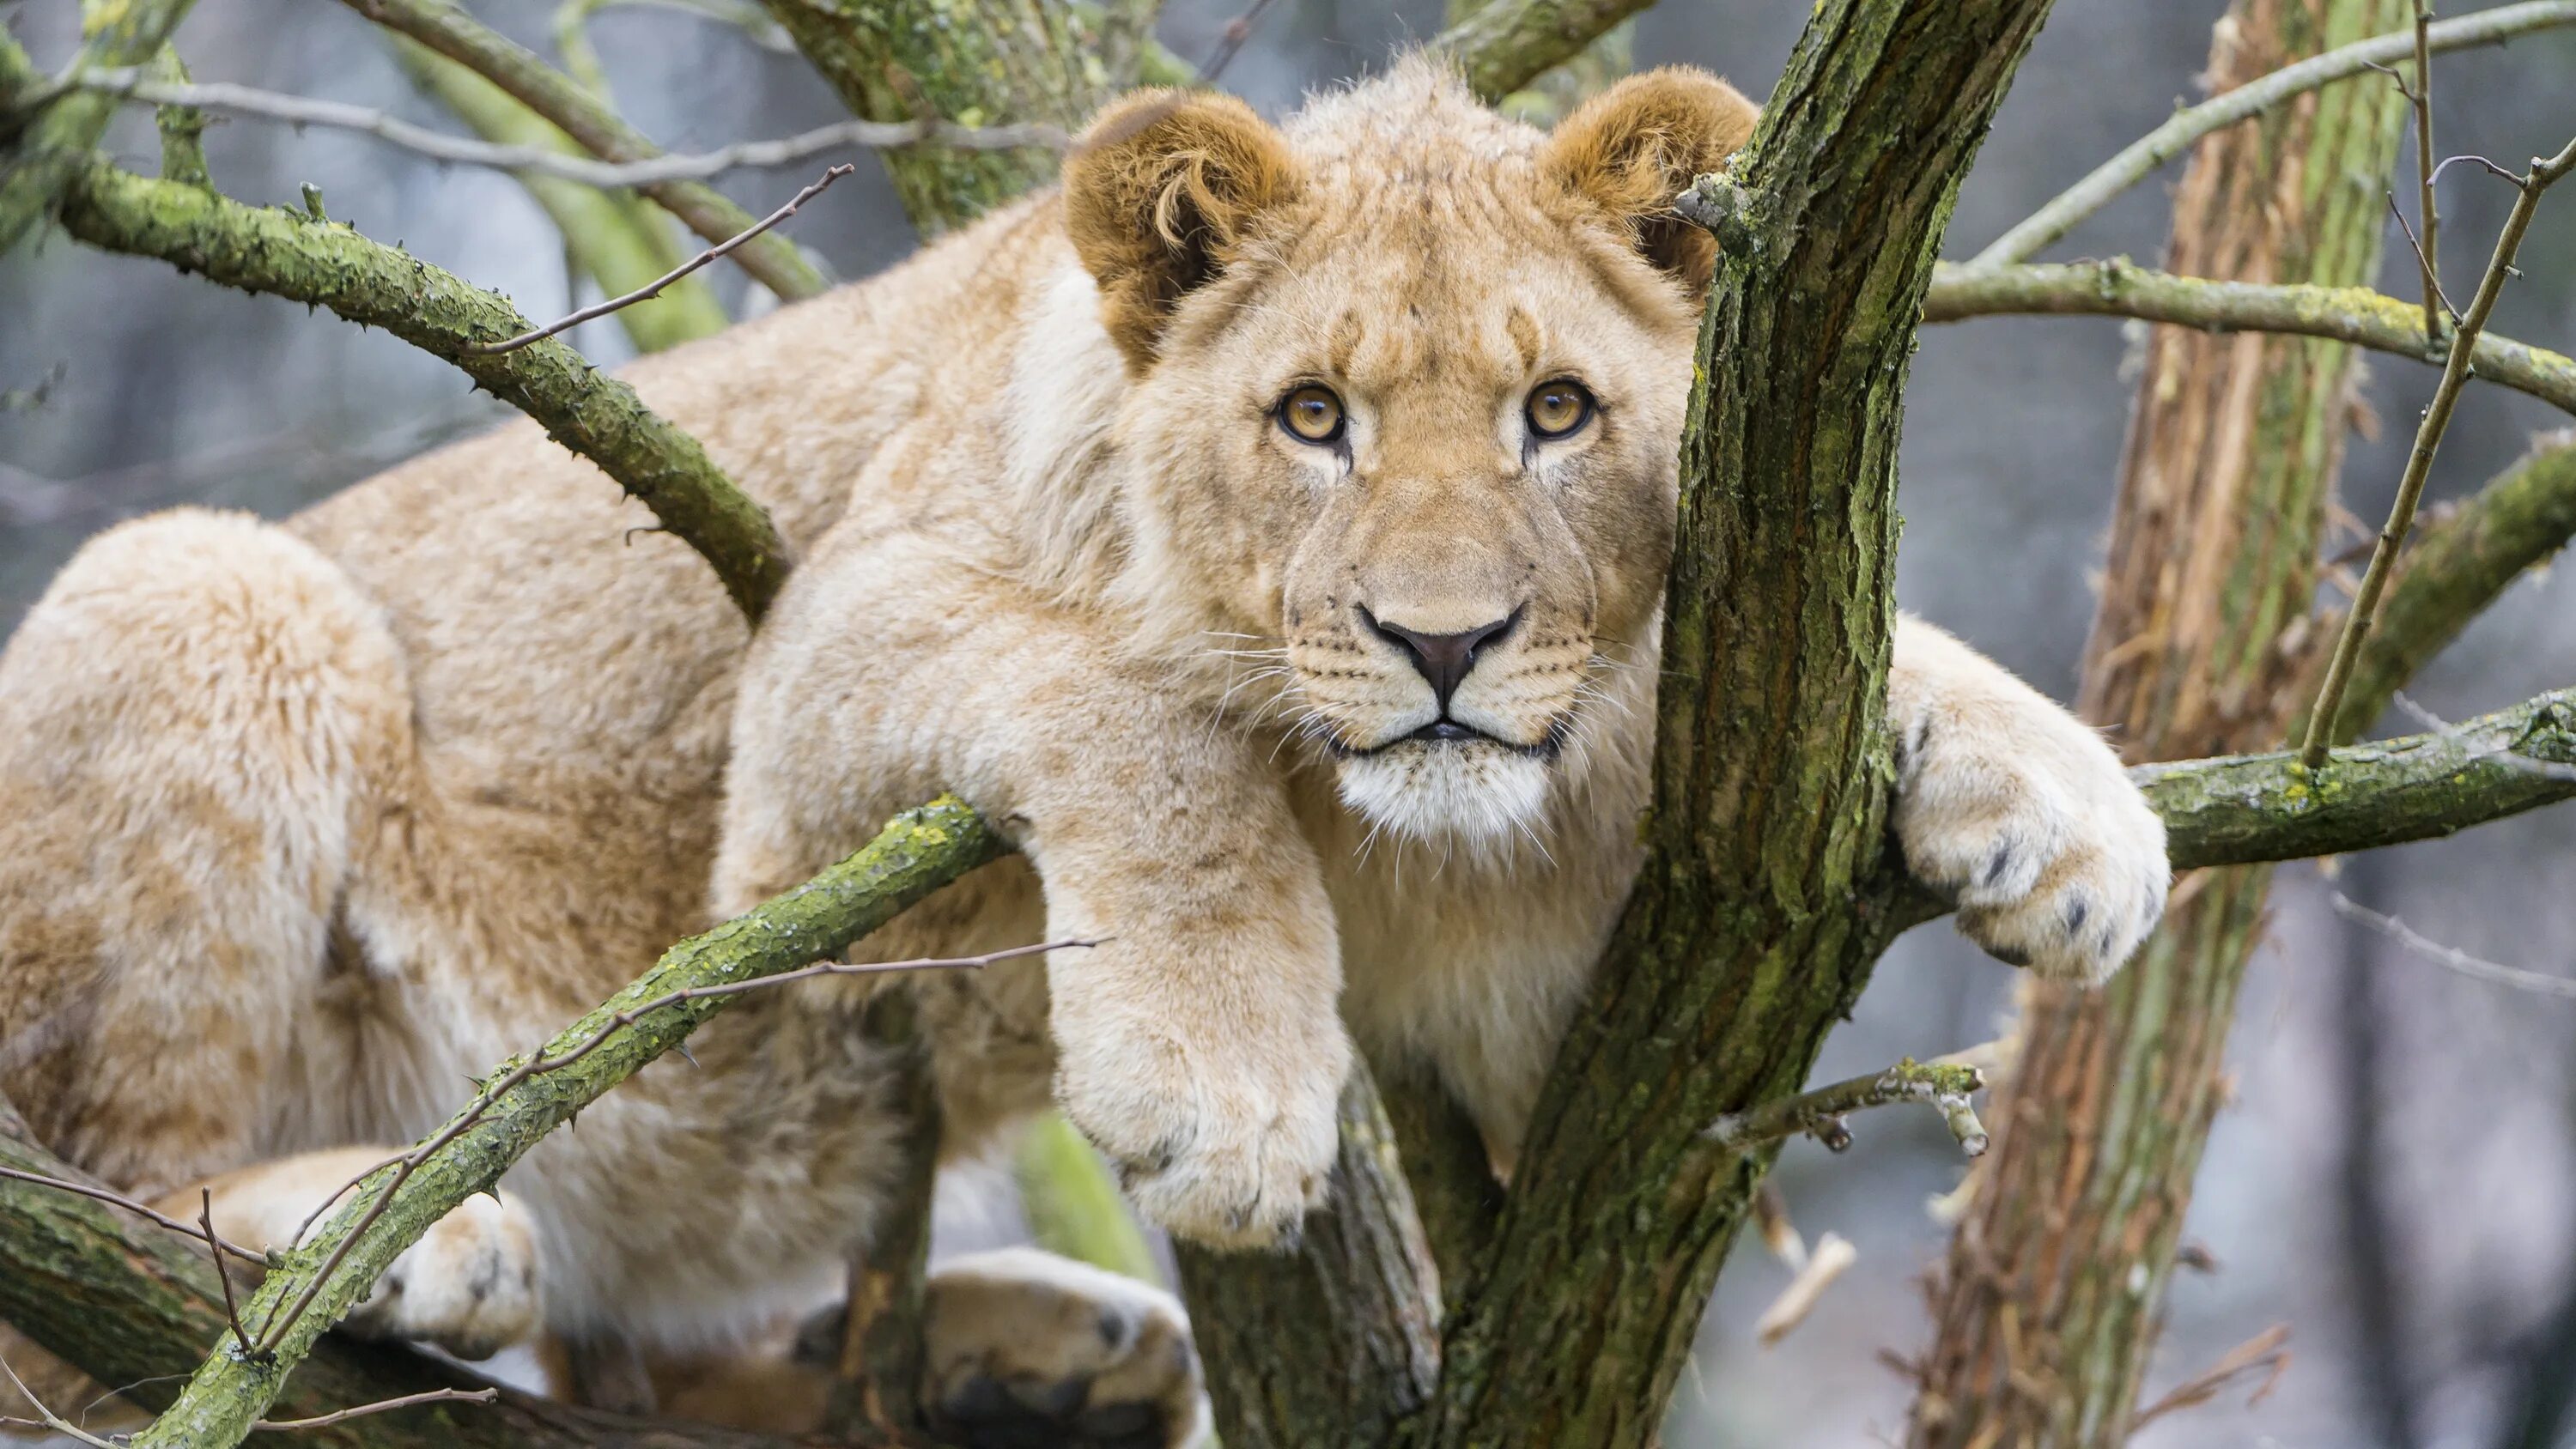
(1312, 414)
(1558, 409)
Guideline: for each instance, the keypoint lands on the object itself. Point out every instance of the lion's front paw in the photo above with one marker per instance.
(468, 1286)
(1024, 1347)
(2026, 819)
(1212, 1152)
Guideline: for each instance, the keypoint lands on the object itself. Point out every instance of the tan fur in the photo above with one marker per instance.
(299, 824)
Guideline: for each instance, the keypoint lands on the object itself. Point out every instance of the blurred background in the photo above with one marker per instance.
(2396, 1177)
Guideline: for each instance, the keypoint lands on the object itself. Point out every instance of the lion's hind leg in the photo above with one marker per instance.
(196, 722)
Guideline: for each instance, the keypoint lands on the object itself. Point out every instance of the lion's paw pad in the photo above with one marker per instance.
(2054, 858)
(469, 1286)
(1029, 1349)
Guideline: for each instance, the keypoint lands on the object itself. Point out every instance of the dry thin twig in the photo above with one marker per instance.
(48, 1418)
(2268, 1350)
(2324, 717)
(136, 85)
(654, 288)
(403, 1166)
(2188, 125)
(114, 1199)
(2476, 968)
(2428, 253)
(324, 1421)
(223, 1274)
(1834, 1254)
(1237, 31)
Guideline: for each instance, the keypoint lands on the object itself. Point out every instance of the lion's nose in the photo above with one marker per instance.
(1444, 659)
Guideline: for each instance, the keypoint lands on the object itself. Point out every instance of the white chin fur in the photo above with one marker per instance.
(1477, 796)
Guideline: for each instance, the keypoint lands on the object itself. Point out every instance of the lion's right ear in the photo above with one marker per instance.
(1160, 193)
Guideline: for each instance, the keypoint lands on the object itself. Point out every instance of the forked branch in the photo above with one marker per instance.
(2325, 718)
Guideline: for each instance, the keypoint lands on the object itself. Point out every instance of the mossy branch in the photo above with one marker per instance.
(328, 264)
(133, 1304)
(616, 239)
(972, 62)
(2241, 809)
(2357, 315)
(1506, 44)
(565, 103)
(41, 159)
(919, 851)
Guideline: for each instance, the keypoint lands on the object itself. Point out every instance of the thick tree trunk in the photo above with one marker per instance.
(2045, 1313)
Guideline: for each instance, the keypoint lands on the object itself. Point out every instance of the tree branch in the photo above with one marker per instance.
(137, 1307)
(330, 265)
(588, 120)
(2325, 716)
(139, 87)
(919, 851)
(2240, 809)
(617, 239)
(2141, 157)
(899, 61)
(2358, 315)
(1506, 44)
(2460, 565)
(1820, 1113)
(1338, 1342)
(42, 155)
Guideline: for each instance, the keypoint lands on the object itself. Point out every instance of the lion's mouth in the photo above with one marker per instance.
(1446, 732)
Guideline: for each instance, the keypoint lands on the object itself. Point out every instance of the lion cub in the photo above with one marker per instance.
(1266, 530)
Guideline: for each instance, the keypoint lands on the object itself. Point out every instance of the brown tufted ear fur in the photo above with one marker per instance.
(1158, 195)
(1631, 149)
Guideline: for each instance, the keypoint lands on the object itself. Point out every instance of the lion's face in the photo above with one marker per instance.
(1414, 410)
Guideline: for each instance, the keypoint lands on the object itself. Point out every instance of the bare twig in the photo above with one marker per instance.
(654, 288)
(2186, 126)
(2428, 253)
(113, 1199)
(324, 1421)
(274, 1332)
(1237, 31)
(135, 84)
(1834, 1254)
(2436, 304)
(2120, 288)
(2323, 719)
(447, 28)
(2268, 1350)
(2474, 967)
(48, 1418)
(1820, 1113)
(223, 1275)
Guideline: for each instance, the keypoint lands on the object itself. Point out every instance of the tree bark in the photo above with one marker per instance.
(2044, 1314)
(1768, 890)
(1339, 1341)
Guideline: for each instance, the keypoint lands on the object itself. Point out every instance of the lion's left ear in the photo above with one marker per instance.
(1160, 193)
(1631, 149)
